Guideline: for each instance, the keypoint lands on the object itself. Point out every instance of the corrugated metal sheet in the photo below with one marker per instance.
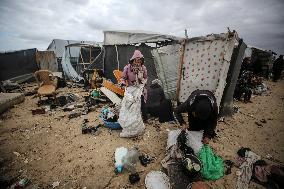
(166, 61)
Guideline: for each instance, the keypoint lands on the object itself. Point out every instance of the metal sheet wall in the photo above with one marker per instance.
(17, 63)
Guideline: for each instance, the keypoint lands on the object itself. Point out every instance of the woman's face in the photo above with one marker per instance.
(137, 62)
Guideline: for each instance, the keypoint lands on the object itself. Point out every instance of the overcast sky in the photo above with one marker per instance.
(33, 23)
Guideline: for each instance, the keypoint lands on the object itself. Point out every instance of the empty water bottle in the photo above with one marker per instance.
(129, 161)
(119, 154)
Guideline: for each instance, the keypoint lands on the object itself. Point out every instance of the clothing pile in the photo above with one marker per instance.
(252, 167)
(187, 155)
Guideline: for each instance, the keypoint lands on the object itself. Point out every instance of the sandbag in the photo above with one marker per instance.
(130, 117)
(212, 165)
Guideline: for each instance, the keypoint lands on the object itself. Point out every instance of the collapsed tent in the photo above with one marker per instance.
(17, 63)
(58, 46)
(72, 70)
(206, 61)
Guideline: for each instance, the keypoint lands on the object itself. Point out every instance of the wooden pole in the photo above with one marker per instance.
(180, 67)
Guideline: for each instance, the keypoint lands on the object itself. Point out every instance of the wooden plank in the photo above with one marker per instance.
(111, 95)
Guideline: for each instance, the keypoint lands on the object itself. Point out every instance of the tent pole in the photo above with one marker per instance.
(117, 57)
(180, 67)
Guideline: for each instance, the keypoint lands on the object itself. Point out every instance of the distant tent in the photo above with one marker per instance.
(74, 55)
(261, 60)
(73, 71)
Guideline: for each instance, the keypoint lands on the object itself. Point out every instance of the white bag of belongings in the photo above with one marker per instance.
(130, 117)
(194, 139)
(157, 180)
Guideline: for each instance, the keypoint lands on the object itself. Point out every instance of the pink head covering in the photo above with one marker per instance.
(137, 54)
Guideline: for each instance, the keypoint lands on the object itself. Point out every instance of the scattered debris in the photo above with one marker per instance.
(228, 166)
(20, 184)
(38, 111)
(236, 109)
(92, 130)
(55, 184)
(133, 178)
(221, 119)
(26, 161)
(263, 121)
(258, 124)
(145, 159)
(74, 114)
(17, 154)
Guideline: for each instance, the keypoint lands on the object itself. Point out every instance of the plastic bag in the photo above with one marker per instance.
(212, 165)
(194, 139)
(130, 117)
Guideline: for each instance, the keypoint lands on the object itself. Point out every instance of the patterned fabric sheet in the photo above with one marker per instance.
(205, 66)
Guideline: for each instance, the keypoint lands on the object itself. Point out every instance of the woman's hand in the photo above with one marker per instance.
(184, 127)
(205, 140)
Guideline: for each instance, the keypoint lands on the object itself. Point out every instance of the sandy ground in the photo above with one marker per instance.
(51, 147)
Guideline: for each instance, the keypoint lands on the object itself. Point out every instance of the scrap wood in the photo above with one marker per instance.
(109, 85)
(111, 95)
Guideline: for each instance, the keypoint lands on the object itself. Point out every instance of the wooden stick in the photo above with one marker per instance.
(180, 67)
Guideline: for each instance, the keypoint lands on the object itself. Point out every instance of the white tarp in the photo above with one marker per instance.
(58, 46)
(166, 61)
(69, 71)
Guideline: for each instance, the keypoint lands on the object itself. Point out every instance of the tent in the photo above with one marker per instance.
(201, 63)
(86, 56)
(58, 46)
(119, 47)
(261, 59)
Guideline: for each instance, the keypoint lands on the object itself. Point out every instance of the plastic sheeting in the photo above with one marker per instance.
(58, 46)
(206, 64)
(69, 71)
(166, 61)
(132, 37)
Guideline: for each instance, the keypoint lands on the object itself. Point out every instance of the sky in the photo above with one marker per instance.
(33, 24)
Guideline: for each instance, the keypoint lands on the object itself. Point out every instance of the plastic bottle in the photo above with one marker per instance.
(20, 184)
(129, 161)
(119, 154)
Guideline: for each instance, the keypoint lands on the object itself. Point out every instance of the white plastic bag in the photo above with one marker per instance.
(130, 117)
(194, 139)
(157, 180)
